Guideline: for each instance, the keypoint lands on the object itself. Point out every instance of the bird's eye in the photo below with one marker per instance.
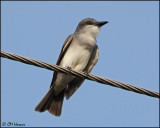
(88, 22)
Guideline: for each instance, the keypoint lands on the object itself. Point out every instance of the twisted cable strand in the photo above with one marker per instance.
(79, 74)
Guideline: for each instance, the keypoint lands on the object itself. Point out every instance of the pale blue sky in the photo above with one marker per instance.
(128, 45)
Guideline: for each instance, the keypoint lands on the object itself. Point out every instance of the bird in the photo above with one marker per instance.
(80, 53)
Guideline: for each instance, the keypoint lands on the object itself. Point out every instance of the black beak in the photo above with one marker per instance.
(100, 24)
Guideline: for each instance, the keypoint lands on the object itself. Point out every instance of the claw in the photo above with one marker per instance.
(85, 72)
(69, 68)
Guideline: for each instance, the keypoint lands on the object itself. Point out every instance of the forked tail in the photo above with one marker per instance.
(51, 102)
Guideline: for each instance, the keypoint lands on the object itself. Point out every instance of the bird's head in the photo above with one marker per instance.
(90, 26)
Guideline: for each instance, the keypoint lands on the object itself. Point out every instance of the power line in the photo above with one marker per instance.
(79, 74)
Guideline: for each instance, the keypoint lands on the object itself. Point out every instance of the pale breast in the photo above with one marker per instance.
(78, 54)
(87, 40)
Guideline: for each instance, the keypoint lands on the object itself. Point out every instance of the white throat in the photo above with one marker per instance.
(91, 30)
(87, 35)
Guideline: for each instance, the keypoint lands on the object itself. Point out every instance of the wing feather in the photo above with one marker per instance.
(63, 50)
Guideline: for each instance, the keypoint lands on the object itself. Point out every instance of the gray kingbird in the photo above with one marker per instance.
(79, 52)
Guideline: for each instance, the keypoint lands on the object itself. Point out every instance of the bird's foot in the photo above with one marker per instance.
(86, 73)
(69, 68)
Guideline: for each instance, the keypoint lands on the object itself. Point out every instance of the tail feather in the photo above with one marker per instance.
(56, 104)
(51, 102)
(41, 106)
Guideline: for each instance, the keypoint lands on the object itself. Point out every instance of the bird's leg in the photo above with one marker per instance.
(86, 73)
(69, 68)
